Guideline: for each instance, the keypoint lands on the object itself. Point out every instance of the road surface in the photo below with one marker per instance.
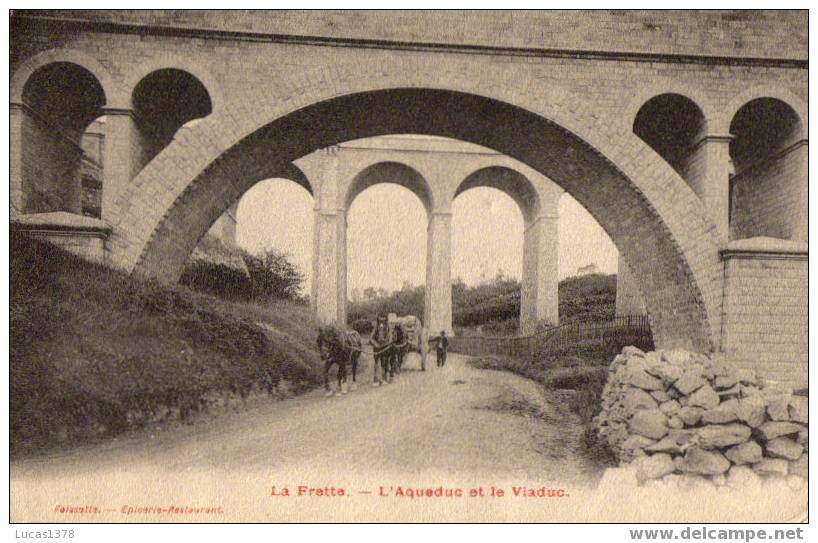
(449, 430)
(456, 425)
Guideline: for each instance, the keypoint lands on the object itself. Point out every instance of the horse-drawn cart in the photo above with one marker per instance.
(416, 336)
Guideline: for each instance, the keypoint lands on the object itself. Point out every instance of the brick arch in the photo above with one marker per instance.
(650, 213)
(648, 92)
(176, 62)
(726, 115)
(395, 172)
(114, 97)
(508, 180)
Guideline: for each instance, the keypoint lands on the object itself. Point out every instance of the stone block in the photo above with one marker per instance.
(783, 447)
(654, 466)
(704, 397)
(748, 452)
(702, 462)
(650, 423)
(773, 429)
(724, 412)
(690, 415)
(716, 436)
(690, 380)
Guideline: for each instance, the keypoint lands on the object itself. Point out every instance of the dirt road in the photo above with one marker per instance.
(444, 431)
(451, 426)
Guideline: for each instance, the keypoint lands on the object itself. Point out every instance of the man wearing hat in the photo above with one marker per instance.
(381, 345)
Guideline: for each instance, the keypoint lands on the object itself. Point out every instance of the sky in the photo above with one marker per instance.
(487, 234)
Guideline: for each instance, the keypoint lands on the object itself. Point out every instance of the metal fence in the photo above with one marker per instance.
(567, 337)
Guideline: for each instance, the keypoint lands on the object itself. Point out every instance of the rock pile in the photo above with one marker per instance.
(676, 412)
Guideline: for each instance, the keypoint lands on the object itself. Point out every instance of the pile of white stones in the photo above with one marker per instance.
(676, 413)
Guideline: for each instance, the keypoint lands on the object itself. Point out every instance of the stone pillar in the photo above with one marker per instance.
(709, 176)
(329, 307)
(438, 306)
(329, 250)
(17, 202)
(122, 156)
(629, 299)
(341, 287)
(539, 296)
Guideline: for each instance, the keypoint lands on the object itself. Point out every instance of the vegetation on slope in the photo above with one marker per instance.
(494, 307)
(94, 352)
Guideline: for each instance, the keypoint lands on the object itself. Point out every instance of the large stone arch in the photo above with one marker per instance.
(649, 212)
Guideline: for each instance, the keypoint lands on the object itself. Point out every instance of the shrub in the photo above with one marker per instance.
(95, 352)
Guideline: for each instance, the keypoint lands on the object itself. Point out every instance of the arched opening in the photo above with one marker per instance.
(268, 229)
(164, 101)
(533, 237)
(387, 206)
(767, 188)
(488, 232)
(389, 172)
(672, 125)
(639, 210)
(59, 101)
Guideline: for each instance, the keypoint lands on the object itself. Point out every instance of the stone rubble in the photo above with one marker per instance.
(673, 414)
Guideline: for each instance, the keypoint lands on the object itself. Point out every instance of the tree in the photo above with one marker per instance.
(273, 275)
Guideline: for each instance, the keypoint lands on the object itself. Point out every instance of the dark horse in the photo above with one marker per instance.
(340, 347)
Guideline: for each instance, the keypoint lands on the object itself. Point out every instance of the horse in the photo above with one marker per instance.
(340, 347)
(415, 338)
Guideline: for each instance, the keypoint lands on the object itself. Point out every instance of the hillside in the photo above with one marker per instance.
(494, 307)
(95, 352)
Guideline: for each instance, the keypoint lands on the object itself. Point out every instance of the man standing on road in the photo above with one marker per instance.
(382, 347)
(441, 347)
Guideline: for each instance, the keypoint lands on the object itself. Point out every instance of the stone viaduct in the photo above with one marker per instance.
(683, 134)
(436, 170)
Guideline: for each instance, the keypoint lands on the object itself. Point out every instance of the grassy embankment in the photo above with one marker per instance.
(95, 352)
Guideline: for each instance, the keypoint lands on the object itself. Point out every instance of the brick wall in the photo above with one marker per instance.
(50, 169)
(744, 33)
(768, 198)
(765, 319)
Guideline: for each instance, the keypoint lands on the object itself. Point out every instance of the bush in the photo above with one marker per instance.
(95, 352)
(273, 276)
(218, 280)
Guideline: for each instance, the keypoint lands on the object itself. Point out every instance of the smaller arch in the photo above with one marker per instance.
(508, 180)
(783, 94)
(165, 101)
(390, 172)
(671, 124)
(768, 182)
(762, 127)
(647, 93)
(172, 61)
(65, 95)
(112, 90)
